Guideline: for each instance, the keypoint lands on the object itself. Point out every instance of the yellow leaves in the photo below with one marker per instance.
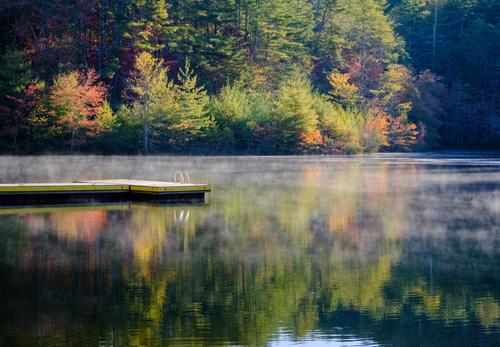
(376, 129)
(378, 122)
(146, 63)
(396, 90)
(342, 91)
(78, 94)
(340, 81)
(64, 95)
(311, 138)
(105, 117)
(176, 110)
(150, 80)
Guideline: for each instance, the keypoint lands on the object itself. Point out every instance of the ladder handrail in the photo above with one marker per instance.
(183, 177)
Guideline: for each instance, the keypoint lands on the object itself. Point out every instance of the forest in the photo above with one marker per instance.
(248, 76)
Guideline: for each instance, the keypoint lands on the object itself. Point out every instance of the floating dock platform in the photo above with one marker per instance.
(103, 190)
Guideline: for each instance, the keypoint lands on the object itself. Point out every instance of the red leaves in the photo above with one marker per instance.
(78, 98)
(80, 93)
(402, 134)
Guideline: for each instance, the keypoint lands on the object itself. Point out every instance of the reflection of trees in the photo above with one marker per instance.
(83, 226)
(260, 259)
(487, 310)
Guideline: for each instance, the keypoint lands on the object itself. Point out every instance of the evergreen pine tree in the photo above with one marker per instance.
(191, 102)
(151, 28)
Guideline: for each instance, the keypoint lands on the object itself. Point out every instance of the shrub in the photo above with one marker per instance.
(375, 131)
(295, 113)
(232, 112)
(340, 128)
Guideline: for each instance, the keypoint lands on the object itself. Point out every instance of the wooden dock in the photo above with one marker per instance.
(106, 190)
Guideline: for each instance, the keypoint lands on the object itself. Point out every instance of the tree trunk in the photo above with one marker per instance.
(100, 52)
(146, 138)
(73, 135)
(434, 30)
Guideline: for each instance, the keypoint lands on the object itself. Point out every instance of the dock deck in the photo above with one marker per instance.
(119, 189)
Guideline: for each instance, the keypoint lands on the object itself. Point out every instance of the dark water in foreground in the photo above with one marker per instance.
(380, 250)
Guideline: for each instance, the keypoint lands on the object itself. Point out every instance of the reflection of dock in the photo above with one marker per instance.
(87, 206)
(104, 190)
(16, 210)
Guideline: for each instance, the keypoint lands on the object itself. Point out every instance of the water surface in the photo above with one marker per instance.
(346, 251)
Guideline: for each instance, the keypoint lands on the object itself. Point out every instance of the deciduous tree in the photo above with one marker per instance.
(78, 98)
(152, 95)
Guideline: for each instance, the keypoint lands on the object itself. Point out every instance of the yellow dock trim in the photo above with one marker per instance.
(157, 187)
(103, 187)
(173, 189)
(51, 188)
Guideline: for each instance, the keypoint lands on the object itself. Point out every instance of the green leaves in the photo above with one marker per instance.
(295, 107)
(282, 31)
(15, 74)
(175, 113)
(191, 103)
(151, 28)
(151, 94)
(356, 30)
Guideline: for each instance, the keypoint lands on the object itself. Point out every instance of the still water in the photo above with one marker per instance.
(375, 250)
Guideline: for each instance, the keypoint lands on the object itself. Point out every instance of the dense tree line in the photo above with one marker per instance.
(249, 76)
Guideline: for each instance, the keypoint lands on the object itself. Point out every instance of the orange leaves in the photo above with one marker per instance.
(311, 138)
(382, 130)
(78, 93)
(376, 130)
(378, 121)
(83, 226)
(402, 134)
(78, 99)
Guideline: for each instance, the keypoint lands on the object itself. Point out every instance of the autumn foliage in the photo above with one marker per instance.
(402, 134)
(78, 99)
(153, 75)
(376, 131)
(343, 91)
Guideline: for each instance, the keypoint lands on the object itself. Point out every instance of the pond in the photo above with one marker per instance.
(388, 249)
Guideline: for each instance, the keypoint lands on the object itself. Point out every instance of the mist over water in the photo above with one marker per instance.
(387, 249)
